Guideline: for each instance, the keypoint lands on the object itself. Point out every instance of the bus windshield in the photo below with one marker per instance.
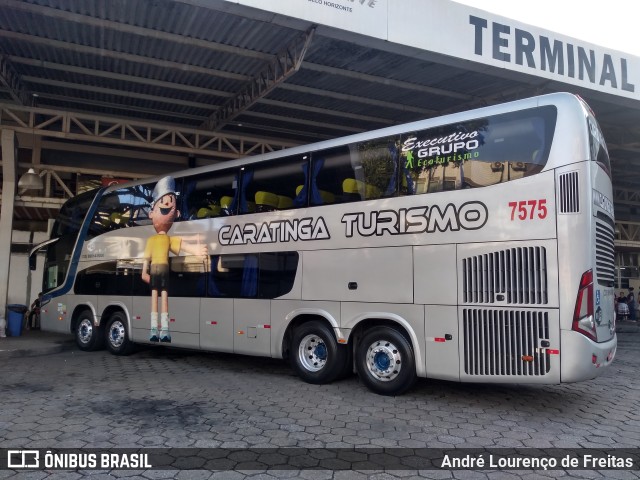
(66, 230)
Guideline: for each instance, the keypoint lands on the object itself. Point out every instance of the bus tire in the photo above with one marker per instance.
(385, 361)
(316, 356)
(117, 335)
(88, 336)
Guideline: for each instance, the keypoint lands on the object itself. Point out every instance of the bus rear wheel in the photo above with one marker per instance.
(385, 361)
(117, 335)
(316, 356)
(88, 336)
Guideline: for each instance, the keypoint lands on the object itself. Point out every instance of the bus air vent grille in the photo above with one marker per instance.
(506, 342)
(605, 257)
(515, 275)
(569, 193)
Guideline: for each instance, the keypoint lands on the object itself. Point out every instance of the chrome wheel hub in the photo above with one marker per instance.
(384, 360)
(312, 353)
(117, 334)
(85, 331)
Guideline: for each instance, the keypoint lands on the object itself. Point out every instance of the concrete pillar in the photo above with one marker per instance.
(9, 181)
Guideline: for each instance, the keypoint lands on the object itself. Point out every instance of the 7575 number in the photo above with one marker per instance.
(528, 209)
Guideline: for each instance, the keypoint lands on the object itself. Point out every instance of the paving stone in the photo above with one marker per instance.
(214, 402)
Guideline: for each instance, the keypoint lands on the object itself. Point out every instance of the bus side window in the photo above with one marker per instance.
(358, 171)
(209, 195)
(188, 275)
(107, 278)
(476, 153)
(262, 275)
(274, 185)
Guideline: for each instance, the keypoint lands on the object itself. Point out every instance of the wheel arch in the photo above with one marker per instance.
(116, 307)
(368, 320)
(75, 316)
(297, 317)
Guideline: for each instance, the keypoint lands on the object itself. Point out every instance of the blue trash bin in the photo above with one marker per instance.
(15, 319)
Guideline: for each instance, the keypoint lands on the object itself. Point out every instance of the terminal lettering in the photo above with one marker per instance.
(553, 55)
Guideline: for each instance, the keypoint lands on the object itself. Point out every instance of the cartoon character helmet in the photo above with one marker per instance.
(164, 186)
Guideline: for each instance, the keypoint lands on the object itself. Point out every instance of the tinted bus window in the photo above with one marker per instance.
(72, 215)
(108, 278)
(210, 195)
(278, 185)
(187, 275)
(358, 171)
(599, 152)
(477, 153)
(255, 275)
(121, 208)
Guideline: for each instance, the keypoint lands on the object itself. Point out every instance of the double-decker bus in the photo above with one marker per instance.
(474, 247)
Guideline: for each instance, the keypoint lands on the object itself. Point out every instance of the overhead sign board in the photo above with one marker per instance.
(460, 31)
(471, 34)
(367, 17)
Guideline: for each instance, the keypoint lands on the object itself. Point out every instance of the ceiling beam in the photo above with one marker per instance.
(325, 111)
(119, 76)
(85, 171)
(10, 78)
(300, 121)
(126, 132)
(303, 133)
(130, 109)
(118, 93)
(285, 64)
(387, 81)
(355, 99)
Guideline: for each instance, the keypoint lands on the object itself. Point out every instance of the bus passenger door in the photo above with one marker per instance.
(216, 324)
(252, 327)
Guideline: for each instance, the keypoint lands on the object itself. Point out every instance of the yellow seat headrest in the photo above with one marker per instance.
(327, 197)
(351, 185)
(284, 202)
(226, 201)
(203, 213)
(210, 211)
(267, 199)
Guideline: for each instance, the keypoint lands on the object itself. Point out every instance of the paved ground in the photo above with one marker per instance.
(54, 396)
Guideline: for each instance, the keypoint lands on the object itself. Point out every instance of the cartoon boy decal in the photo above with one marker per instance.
(155, 269)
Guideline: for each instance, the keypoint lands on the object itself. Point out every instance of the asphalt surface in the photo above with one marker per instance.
(53, 396)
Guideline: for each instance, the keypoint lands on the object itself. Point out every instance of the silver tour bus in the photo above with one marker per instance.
(473, 247)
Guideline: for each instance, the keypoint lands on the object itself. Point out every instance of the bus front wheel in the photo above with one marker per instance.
(88, 336)
(385, 361)
(316, 356)
(117, 335)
